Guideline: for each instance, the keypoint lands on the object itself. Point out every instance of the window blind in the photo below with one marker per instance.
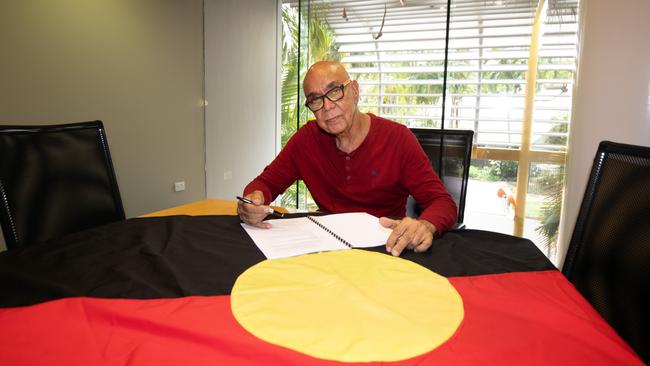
(396, 51)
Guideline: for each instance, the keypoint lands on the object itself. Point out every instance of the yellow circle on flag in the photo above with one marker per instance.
(348, 305)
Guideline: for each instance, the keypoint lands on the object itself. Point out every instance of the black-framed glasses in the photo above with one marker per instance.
(335, 94)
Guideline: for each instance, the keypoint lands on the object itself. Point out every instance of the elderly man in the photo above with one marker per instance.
(353, 161)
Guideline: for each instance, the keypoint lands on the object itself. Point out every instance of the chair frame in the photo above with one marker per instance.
(577, 239)
(580, 242)
(421, 133)
(7, 220)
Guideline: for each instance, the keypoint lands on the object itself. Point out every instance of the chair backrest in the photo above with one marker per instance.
(608, 259)
(55, 180)
(450, 153)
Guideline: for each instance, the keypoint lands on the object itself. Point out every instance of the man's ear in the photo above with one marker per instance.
(355, 87)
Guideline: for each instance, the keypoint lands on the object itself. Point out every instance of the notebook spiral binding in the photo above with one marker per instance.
(330, 232)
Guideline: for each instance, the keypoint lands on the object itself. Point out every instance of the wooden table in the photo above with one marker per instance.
(210, 206)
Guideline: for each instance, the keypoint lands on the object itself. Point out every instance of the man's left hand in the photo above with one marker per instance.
(408, 233)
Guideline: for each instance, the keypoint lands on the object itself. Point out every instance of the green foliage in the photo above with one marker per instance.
(321, 46)
(550, 182)
(505, 75)
(297, 54)
(550, 211)
(559, 128)
(322, 39)
(494, 170)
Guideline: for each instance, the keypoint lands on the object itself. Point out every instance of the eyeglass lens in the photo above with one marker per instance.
(334, 94)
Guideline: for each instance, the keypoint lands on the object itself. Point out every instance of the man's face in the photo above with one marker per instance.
(334, 117)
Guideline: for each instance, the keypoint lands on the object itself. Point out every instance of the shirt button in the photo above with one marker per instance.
(348, 177)
(347, 158)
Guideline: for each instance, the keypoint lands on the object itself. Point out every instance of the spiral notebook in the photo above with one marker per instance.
(302, 235)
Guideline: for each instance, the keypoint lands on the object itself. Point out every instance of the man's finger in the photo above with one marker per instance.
(388, 223)
(254, 214)
(424, 236)
(263, 225)
(421, 234)
(422, 240)
(395, 234)
(257, 197)
(405, 240)
(423, 247)
(403, 234)
(399, 246)
(254, 209)
(413, 234)
(254, 220)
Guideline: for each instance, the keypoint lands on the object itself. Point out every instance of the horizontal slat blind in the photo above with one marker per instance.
(400, 70)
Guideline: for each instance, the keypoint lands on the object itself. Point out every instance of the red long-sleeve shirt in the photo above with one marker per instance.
(376, 178)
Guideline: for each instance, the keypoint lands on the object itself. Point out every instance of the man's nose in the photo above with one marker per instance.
(327, 106)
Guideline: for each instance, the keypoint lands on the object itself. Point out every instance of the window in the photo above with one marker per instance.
(457, 64)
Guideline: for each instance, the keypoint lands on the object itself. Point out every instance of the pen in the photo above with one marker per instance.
(273, 212)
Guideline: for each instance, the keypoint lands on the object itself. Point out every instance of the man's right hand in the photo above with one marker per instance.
(254, 214)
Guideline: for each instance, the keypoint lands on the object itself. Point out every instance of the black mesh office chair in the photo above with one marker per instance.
(450, 153)
(55, 180)
(608, 259)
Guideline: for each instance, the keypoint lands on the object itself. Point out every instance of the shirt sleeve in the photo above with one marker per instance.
(425, 186)
(281, 173)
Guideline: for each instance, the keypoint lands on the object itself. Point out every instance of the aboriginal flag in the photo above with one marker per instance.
(157, 291)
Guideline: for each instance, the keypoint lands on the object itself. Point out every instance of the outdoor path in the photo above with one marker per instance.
(484, 210)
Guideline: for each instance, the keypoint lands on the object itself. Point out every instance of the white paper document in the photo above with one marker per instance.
(291, 237)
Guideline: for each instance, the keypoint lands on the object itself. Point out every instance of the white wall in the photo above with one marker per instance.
(611, 99)
(135, 64)
(241, 91)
